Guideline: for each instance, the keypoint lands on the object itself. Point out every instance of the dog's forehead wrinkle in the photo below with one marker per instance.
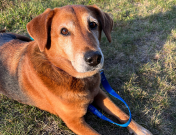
(68, 8)
(72, 9)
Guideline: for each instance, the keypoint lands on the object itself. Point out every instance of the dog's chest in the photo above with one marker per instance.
(93, 82)
(92, 85)
(81, 89)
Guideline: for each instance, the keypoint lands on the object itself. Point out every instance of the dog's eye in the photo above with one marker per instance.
(64, 31)
(92, 25)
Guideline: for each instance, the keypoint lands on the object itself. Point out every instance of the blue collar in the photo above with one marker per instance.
(31, 38)
(114, 94)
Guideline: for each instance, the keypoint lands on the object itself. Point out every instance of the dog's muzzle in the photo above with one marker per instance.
(93, 58)
(89, 61)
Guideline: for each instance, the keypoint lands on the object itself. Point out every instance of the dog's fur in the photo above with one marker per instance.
(51, 73)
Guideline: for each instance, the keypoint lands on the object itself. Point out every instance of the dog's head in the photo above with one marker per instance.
(72, 33)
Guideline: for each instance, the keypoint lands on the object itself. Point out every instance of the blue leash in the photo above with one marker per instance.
(114, 94)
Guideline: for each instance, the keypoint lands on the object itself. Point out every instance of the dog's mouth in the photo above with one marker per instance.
(83, 69)
(89, 69)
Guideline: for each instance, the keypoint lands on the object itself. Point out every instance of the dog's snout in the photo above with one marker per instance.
(93, 58)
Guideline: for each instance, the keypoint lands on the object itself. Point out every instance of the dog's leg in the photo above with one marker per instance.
(79, 126)
(108, 106)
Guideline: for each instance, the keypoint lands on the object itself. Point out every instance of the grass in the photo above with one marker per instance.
(140, 65)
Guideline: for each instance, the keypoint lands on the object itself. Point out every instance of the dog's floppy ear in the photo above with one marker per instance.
(39, 28)
(105, 20)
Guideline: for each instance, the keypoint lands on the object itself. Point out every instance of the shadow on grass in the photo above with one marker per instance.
(136, 44)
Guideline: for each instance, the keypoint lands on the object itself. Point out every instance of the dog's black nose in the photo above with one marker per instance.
(93, 58)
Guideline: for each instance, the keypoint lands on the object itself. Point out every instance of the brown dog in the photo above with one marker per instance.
(59, 70)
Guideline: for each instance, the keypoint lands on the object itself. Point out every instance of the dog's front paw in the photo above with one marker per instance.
(139, 130)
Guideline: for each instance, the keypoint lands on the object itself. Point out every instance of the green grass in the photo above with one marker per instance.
(140, 65)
